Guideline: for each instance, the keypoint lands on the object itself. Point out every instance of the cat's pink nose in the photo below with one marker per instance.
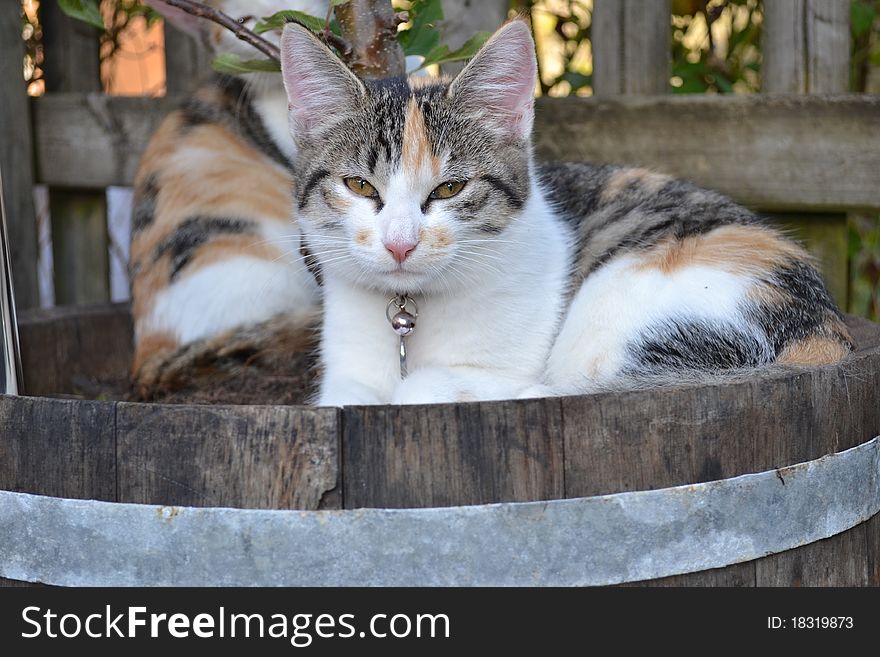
(400, 250)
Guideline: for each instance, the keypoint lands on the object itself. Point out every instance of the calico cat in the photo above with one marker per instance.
(215, 251)
(529, 280)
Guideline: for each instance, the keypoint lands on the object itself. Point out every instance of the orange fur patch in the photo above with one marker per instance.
(416, 145)
(362, 236)
(207, 170)
(737, 249)
(647, 180)
(813, 350)
(438, 236)
(150, 346)
(231, 246)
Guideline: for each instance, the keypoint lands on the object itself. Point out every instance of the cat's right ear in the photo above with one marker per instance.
(178, 18)
(319, 86)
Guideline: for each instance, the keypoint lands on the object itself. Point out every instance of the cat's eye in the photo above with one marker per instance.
(447, 189)
(361, 187)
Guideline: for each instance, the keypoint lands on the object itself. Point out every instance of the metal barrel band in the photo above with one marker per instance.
(606, 539)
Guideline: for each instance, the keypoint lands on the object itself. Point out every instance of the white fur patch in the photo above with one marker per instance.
(227, 294)
(618, 301)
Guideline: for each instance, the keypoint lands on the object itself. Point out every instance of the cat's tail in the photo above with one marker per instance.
(285, 341)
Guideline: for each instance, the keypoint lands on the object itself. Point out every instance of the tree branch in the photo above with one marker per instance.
(370, 26)
(203, 11)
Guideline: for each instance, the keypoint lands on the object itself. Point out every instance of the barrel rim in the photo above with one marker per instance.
(595, 540)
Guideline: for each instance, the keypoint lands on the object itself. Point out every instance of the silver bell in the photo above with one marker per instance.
(403, 323)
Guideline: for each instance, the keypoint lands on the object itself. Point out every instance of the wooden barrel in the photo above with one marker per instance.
(595, 472)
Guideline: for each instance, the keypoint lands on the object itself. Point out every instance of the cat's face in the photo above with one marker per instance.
(410, 186)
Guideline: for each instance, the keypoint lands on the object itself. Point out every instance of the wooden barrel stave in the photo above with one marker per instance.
(292, 457)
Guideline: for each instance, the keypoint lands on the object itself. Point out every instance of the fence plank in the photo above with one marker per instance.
(806, 50)
(792, 153)
(631, 48)
(806, 46)
(187, 61)
(769, 152)
(94, 141)
(79, 247)
(79, 218)
(16, 161)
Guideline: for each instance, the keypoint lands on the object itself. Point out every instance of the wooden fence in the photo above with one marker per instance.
(803, 150)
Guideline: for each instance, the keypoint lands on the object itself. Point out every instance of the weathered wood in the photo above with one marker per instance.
(631, 50)
(187, 61)
(806, 50)
(806, 46)
(739, 575)
(92, 140)
(58, 447)
(15, 584)
(826, 237)
(841, 560)
(449, 455)
(258, 457)
(16, 159)
(62, 346)
(768, 152)
(79, 218)
(872, 533)
(79, 247)
(72, 52)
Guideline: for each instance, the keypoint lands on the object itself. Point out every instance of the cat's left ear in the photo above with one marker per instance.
(319, 86)
(499, 82)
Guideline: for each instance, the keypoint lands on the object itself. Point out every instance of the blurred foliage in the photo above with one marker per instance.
(865, 63)
(562, 37)
(716, 46)
(864, 263)
(420, 35)
(864, 230)
(32, 33)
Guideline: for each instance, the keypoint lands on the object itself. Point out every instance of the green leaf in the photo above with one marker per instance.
(422, 37)
(420, 42)
(84, 10)
(336, 3)
(279, 19)
(577, 80)
(441, 54)
(862, 17)
(234, 65)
